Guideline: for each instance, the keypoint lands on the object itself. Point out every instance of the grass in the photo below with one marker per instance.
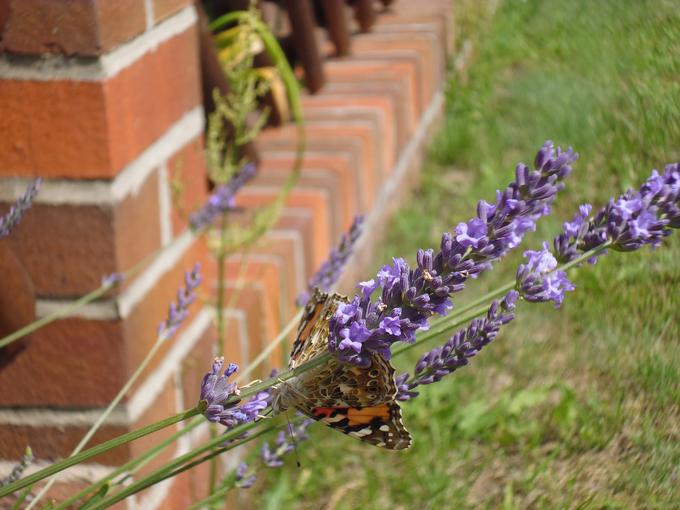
(571, 408)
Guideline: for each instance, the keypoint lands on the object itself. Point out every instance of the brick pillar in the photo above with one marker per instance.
(102, 99)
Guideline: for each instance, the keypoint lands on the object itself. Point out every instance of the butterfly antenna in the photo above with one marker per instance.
(294, 441)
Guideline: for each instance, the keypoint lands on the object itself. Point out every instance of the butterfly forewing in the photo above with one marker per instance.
(358, 401)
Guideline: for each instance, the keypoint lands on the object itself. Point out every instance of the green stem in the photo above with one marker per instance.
(175, 467)
(133, 465)
(451, 321)
(97, 450)
(21, 498)
(84, 300)
(221, 260)
(109, 409)
(227, 19)
(215, 497)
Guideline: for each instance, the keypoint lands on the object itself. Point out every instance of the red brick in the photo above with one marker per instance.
(67, 249)
(263, 276)
(17, 300)
(141, 325)
(43, 127)
(186, 169)
(73, 363)
(396, 91)
(282, 250)
(377, 110)
(380, 71)
(50, 443)
(438, 13)
(319, 180)
(313, 201)
(59, 492)
(300, 220)
(333, 138)
(70, 27)
(349, 188)
(164, 8)
(418, 49)
(161, 407)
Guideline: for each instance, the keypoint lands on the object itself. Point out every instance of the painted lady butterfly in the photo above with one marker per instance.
(360, 402)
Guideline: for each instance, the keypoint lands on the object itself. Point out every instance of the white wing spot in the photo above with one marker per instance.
(385, 428)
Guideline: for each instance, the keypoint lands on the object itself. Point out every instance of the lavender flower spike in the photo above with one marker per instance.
(18, 470)
(216, 389)
(635, 219)
(215, 392)
(331, 269)
(16, 212)
(272, 456)
(178, 311)
(221, 199)
(457, 351)
(244, 479)
(538, 281)
(410, 296)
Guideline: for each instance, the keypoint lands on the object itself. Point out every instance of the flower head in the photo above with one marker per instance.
(19, 208)
(457, 351)
(408, 297)
(19, 468)
(635, 219)
(537, 280)
(178, 311)
(216, 391)
(244, 479)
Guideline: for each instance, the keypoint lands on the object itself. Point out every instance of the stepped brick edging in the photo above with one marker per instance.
(108, 165)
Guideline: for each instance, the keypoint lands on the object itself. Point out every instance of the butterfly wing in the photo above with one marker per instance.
(358, 401)
(312, 333)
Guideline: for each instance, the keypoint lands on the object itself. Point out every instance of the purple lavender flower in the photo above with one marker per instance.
(222, 198)
(112, 279)
(18, 470)
(216, 389)
(215, 392)
(19, 208)
(243, 478)
(331, 269)
(272, 455)
(635, 219)
(457, 351)
(538, 281)
(409, 297)
(179, 311)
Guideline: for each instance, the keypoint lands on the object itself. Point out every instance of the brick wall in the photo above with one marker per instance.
(102, 99)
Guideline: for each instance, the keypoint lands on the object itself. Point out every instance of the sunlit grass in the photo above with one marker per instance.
(570, 408)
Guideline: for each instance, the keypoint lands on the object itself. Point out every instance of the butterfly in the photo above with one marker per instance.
(360, 402)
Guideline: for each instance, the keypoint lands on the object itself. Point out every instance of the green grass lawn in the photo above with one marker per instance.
(570, 408)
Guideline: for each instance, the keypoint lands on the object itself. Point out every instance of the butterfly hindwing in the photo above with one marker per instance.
(358, 401)
(379, 425)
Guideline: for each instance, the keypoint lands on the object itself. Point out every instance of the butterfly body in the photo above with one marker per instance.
(358, 401)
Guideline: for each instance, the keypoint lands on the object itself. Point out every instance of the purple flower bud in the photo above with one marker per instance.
(242, 479)
(221, 199)
(12, 218)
